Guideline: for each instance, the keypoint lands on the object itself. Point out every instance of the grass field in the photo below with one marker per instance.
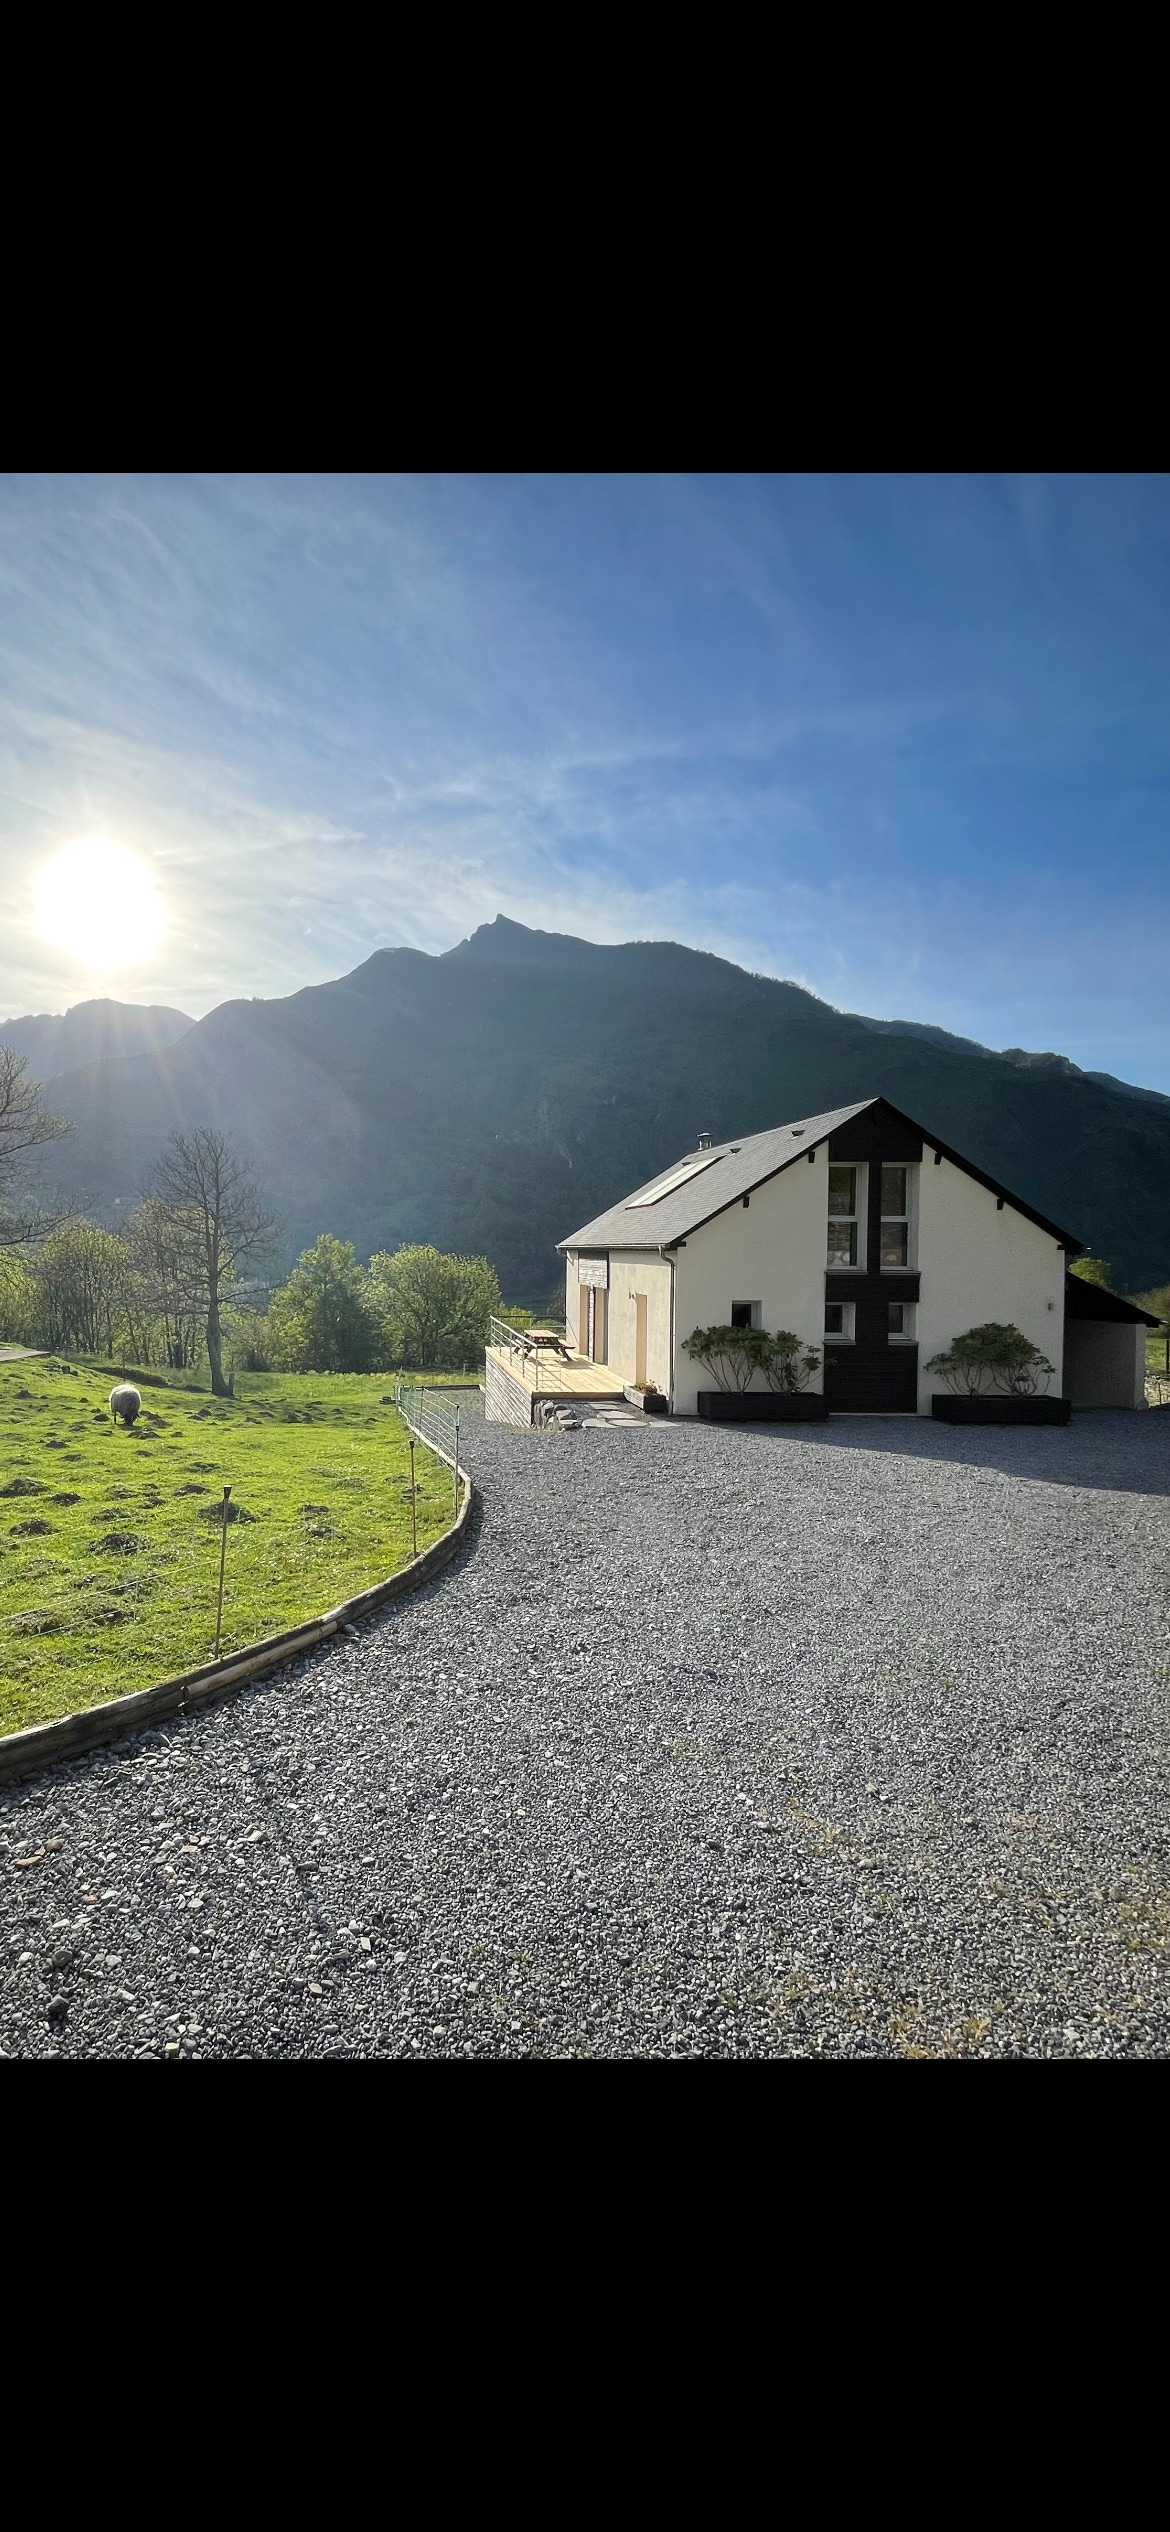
(109, 1539)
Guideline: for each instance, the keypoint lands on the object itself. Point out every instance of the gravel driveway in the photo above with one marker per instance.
(847, 1742)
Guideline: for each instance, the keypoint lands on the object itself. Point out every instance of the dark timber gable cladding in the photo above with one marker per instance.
(871, 1375)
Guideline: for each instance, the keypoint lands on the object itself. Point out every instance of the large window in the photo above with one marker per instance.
(895, 1234)
(843, 1216)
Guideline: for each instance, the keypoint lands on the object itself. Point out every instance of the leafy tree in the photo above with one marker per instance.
(18, 1302)
(995, 1356)
(1157, 1301)
(321, 1319)
(1092, 1270)
(248, 1339)
(217, 1211)
(25, 1127)
(433, 1310)
(85, 1288)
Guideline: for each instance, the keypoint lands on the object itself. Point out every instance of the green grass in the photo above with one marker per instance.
(199, 1377)
(317, 1464)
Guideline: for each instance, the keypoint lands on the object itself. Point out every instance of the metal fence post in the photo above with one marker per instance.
(222, 1557)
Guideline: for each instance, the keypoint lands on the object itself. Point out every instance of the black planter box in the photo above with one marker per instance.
(992, 1410)
(651, 1401)
(757, 1406)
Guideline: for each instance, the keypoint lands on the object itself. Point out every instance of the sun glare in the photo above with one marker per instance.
(99, 904)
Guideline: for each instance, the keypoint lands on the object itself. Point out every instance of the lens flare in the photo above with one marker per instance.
(99, 904)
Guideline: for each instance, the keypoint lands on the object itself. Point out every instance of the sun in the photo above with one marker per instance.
(99, 904)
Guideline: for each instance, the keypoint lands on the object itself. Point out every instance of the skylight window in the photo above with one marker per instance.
(677, 1178)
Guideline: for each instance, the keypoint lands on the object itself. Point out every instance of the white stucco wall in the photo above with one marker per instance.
(773, 1253)
(1104, 1363)
(978, 1264)
(631, 1271)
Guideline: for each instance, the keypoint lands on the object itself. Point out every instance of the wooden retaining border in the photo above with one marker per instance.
(191, 1691)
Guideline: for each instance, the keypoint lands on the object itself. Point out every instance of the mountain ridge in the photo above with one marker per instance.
(492, 1096)
(88, 1032)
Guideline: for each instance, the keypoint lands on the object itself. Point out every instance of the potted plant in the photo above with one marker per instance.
(734, 1355)
(647, 1395)
(995, 1375)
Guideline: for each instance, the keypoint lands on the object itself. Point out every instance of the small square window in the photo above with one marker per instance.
(840, 1317)
(745, 1314)
(900, 1320)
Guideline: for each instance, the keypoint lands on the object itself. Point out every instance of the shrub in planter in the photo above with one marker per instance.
(995, 1359)
(763, 1406)
(790, 1365)
(734, 1355)
(995, 1406)
(731, 1355)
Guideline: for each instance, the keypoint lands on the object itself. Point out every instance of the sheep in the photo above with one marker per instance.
(125, 1401)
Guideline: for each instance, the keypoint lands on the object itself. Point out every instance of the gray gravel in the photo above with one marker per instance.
(848, 1742)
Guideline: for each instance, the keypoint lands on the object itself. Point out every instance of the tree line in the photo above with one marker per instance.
(137, 1296)
(171, 1282)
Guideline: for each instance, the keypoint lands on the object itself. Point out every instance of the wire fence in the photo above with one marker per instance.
(432, 1419)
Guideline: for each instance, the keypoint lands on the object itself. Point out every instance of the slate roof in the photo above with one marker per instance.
(738, 1167)
(1094, 1301)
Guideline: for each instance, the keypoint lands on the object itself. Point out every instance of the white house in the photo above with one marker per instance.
(874, 1242)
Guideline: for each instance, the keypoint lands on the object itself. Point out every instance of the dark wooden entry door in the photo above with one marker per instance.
(872, 1379)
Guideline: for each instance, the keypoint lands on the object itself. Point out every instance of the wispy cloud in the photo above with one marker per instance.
(337, 713)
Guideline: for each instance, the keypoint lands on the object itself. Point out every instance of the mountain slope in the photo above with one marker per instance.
(55, 1042)
(492, 1098)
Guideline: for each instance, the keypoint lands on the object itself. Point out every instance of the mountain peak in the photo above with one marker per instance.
(507, 944)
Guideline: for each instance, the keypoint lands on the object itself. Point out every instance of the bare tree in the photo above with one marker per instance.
(167, 1258)
(24, 1126)
(220, 1214)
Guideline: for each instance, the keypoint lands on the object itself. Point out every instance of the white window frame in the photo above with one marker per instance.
(909, 1334)
(909, 1217)
(756, 1308)
(848, 1309)
(859, 1216)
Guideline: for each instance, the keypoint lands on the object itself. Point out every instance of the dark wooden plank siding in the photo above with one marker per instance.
(877, 1135)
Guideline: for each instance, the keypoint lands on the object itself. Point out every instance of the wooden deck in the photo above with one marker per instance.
(556, 1379)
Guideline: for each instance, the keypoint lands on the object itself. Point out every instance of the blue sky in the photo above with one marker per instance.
(901, 738)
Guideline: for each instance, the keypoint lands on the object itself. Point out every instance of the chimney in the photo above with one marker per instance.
(704, 1143)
